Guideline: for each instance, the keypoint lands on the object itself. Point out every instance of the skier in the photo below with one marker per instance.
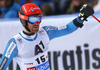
(30, 46)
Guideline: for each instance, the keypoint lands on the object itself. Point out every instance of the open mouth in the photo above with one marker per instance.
(35, 28)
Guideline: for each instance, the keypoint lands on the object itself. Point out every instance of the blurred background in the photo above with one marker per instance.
(48, 7)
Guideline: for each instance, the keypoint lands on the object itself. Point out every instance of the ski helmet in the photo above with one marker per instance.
(28, 10)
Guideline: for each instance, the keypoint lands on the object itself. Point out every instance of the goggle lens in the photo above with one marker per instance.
(34, 19)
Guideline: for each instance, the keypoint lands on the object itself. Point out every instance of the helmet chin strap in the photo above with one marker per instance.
(29, 34)
(27, 29)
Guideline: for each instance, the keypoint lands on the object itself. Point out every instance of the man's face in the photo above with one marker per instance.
(34, 28)
(5, 3)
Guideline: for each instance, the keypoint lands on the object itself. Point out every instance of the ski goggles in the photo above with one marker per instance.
(33, 19)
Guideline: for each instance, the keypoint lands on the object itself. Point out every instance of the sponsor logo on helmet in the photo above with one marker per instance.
(32, 9)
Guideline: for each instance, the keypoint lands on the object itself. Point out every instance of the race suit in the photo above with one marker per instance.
(30, 52)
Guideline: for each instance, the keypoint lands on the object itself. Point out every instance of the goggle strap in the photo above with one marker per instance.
(23, 17)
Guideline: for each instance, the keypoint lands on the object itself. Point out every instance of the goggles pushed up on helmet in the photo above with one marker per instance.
(33, 19)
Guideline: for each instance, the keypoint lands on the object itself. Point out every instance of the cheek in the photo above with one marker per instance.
(30, 26)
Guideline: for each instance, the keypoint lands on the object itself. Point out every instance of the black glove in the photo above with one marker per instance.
(85, 12)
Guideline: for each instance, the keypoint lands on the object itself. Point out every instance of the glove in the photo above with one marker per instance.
(85, 12)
